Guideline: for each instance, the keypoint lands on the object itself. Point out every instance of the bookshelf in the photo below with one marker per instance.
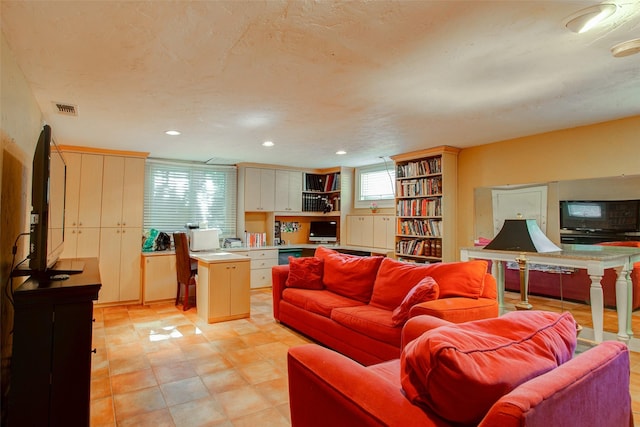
(321, 192)
(426, 186)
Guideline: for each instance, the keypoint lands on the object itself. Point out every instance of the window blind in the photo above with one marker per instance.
(177, 193)
(376, 185)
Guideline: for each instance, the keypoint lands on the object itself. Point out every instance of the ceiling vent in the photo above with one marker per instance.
(66, 109)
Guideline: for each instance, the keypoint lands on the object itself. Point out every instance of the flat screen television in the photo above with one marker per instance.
(47, 201)
(323, 231)
(600, 215)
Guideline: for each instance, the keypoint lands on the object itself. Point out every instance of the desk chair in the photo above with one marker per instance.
(186, 269)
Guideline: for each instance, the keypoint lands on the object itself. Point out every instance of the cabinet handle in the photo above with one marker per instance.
(124, 231)
(124, 224)
(94, 351)
(79, 231)
(79, 224)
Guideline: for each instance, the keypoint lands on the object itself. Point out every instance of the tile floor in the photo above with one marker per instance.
(157, 365)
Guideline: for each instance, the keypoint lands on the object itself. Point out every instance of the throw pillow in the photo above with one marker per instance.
(426, 290)
(460, 371)
(351, 276)
(394, 280)
(305, 272)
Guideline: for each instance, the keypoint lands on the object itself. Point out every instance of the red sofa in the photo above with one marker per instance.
(358, 305)
(576, 285)
(516, 370)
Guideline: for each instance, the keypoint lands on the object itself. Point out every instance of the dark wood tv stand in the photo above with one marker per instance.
(51, 359)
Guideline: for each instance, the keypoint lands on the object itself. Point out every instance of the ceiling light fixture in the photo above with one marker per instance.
(341, 152)
(627, 48)
(172, 132)
(585, 19)
(268, 144)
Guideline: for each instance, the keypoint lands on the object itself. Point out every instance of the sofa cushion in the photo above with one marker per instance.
(351, 276)
(394, 280)
(368, 320)
(459, 279)
(319, 302)
(305, 272)
(460, 371)
(426, 290)
(322, 252)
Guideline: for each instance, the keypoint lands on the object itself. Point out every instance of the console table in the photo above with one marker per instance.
(594, 258)
(51, 358)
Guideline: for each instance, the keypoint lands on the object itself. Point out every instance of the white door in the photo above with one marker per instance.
(527, 202)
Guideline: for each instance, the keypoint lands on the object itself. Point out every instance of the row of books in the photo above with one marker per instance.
(320, 203)
(254, 240)
(324, 183)
(423, 247)
(420, 227)
(423, 167)
(420, 187)
(419, 207)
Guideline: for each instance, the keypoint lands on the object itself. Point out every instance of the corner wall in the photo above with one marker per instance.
(20, 124)
(595, 151)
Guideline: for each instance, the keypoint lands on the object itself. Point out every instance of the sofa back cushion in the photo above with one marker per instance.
(459, 279)
(455, 279)
(351, 276)
(460, 371)
(305, 273)
(394, 281)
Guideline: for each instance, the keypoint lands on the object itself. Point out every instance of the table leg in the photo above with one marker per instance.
(597, 302)
(497, 271)
(621, 303)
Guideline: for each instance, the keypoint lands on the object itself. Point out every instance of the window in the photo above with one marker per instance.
(375, 184)
(177, 193)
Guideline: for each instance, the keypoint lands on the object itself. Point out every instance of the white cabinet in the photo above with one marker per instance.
(261, 262)
(288, 191)
(159, 278)
(122, 192)
(121, 232)
(259, 189)
(371, 231)
(223, 291)
(360, 230)
(82, 205)
(120, 264)
(384, 231)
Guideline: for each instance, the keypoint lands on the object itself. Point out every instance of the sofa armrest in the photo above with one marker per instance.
(458, 309)
(279, 274)
(591, 389)
(417, 326)
(329, 389)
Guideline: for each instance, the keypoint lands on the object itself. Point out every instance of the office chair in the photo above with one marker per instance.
(186, 270)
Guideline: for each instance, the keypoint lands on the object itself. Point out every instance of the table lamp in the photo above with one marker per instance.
(522, 235)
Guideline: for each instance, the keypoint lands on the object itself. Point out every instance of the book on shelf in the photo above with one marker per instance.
(254, 240)
(428, 166)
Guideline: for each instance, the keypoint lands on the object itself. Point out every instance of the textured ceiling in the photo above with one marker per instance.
(373, 78)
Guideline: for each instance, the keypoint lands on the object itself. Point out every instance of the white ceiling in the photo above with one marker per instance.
(374, 78)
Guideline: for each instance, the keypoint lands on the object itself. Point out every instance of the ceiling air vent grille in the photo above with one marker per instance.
(66, 109)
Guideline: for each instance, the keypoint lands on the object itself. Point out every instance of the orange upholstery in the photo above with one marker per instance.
(329, 389)
(343, 317)
(185, 270)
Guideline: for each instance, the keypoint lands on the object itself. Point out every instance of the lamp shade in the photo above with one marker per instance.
(522, 235)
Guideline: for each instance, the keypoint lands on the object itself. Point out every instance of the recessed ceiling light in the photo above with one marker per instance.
(268, 144)
(172, 132)
(341, 152)
(585, 19)
(627, 48)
